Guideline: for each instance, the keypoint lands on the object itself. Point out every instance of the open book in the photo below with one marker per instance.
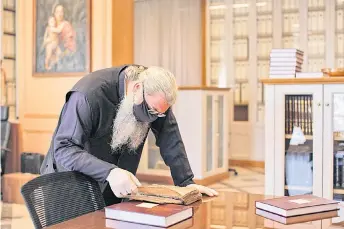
(166, 194)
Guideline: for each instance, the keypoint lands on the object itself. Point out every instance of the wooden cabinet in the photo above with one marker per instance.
(304, 139)
(202, 116)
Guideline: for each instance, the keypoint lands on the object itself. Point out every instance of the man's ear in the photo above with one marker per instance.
(136, 87)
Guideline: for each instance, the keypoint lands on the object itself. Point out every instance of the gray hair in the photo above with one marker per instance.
(155, 80)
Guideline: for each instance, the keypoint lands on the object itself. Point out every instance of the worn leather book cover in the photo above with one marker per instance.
(297, 205)
(149, 213)
(167, 194)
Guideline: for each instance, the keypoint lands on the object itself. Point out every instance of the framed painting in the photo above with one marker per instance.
(62, 37)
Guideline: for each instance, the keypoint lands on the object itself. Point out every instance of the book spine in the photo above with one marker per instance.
(297, 112)
(286, 128)
(342, 172)
(294, 113)
(337, 171)
(310, 111)
(300, 111)
(290, 115)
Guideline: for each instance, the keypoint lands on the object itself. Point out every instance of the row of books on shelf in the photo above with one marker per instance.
(338, 170)
(298, 112)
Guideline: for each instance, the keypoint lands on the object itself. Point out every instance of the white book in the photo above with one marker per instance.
(286, 54)
(285, 64)
(280, 76)
(309, 75)
(285, 68)
(282, 72)
(286, 59)
(288, 50)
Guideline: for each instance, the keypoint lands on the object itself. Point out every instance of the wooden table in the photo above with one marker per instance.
(228, 210)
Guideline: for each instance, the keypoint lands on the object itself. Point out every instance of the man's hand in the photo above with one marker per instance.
(204, 190)
(122, 182)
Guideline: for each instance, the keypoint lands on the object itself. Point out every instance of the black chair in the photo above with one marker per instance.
(57, 197)
(5, 136)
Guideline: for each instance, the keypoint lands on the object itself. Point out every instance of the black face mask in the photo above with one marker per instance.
(142, 114)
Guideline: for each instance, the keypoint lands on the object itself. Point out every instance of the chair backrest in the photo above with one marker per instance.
(5, 127)
(57, 197)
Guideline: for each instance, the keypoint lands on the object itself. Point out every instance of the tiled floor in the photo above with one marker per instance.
(251, 180)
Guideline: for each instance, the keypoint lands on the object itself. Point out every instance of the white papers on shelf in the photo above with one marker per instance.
(297, 138)
(309, 75)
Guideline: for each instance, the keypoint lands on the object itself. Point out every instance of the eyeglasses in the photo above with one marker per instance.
(151, 110)
(154, 112)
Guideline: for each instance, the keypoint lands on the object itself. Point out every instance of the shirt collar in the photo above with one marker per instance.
(121, 85)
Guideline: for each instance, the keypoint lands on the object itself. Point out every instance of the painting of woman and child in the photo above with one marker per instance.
(61, 37)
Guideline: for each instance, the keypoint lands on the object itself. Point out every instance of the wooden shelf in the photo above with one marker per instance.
(338, 191)
(323, 80)
(308, 137)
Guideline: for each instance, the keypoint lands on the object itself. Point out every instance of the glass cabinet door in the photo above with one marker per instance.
(333, 163)
(155, 160)
(209, 132)
(298, 145)
(220, 131)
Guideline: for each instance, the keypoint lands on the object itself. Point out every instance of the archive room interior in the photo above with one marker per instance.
(239, 99)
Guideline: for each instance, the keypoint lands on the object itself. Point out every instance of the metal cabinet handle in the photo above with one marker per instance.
(327, 104)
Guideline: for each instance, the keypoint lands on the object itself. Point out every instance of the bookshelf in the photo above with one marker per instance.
(251, 30)
(8, 55)
(304, 139)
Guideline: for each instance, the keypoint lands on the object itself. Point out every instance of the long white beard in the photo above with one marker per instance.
(126, 129)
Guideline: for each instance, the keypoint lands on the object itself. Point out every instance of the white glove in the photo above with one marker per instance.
(122, 182)
(204, 190)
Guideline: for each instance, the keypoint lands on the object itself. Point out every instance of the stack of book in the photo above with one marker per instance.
(285, 63)
(155, 205)
(297, 209)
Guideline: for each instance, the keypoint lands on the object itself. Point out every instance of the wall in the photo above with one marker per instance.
(41, 98)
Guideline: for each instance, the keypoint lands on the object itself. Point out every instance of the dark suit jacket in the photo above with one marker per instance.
(81, 141)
